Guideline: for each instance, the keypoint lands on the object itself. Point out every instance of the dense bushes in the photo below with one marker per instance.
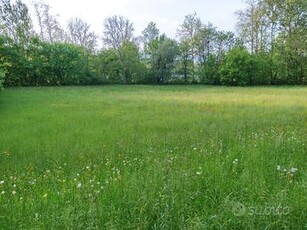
(2, 75)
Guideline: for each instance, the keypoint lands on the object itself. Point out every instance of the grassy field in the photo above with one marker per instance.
(145, 157)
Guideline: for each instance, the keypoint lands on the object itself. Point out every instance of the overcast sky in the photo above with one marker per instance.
(167, 14)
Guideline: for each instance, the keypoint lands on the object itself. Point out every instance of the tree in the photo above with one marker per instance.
(49, 28)
(276, 31)
(210, 71)
(188, 34)
(63, 64)
(15, 22)
(150, 33)
(186, 61)
(252, 25)
(163, 53)
(132, 68)
(237, 68)
(118, 31)
(79, 33)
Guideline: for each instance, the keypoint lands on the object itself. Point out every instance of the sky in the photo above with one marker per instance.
(167, 14)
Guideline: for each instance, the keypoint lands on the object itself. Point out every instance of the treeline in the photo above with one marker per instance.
(270, 48)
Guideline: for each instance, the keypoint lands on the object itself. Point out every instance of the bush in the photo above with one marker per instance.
(2, 75)
(236, 69)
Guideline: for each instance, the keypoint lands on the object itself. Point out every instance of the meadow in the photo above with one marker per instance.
(153, 157)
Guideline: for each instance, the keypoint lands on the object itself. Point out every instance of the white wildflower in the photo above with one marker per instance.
(1, 181)
(293, 170)
(79, 185)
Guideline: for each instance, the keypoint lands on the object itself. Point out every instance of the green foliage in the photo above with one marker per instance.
(130, 61)
(44, 63)
(272, 32)
(163, 52)
(15, 22)
(2, 76)
(210, 71)
(237, 68)
(107, 66)
(64, 63)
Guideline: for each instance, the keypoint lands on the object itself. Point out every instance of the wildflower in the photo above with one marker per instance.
(14, 192)
(2, 192)
(45, 195)
(79, 185)
(14, 185)
(198, 173)
(194, 149)
(293, 170)
(1, 181)
(235, 161)
(278, 167)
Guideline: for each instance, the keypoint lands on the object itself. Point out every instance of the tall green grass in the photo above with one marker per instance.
(146, 157)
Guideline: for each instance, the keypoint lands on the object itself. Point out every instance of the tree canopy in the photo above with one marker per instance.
(269, 48)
